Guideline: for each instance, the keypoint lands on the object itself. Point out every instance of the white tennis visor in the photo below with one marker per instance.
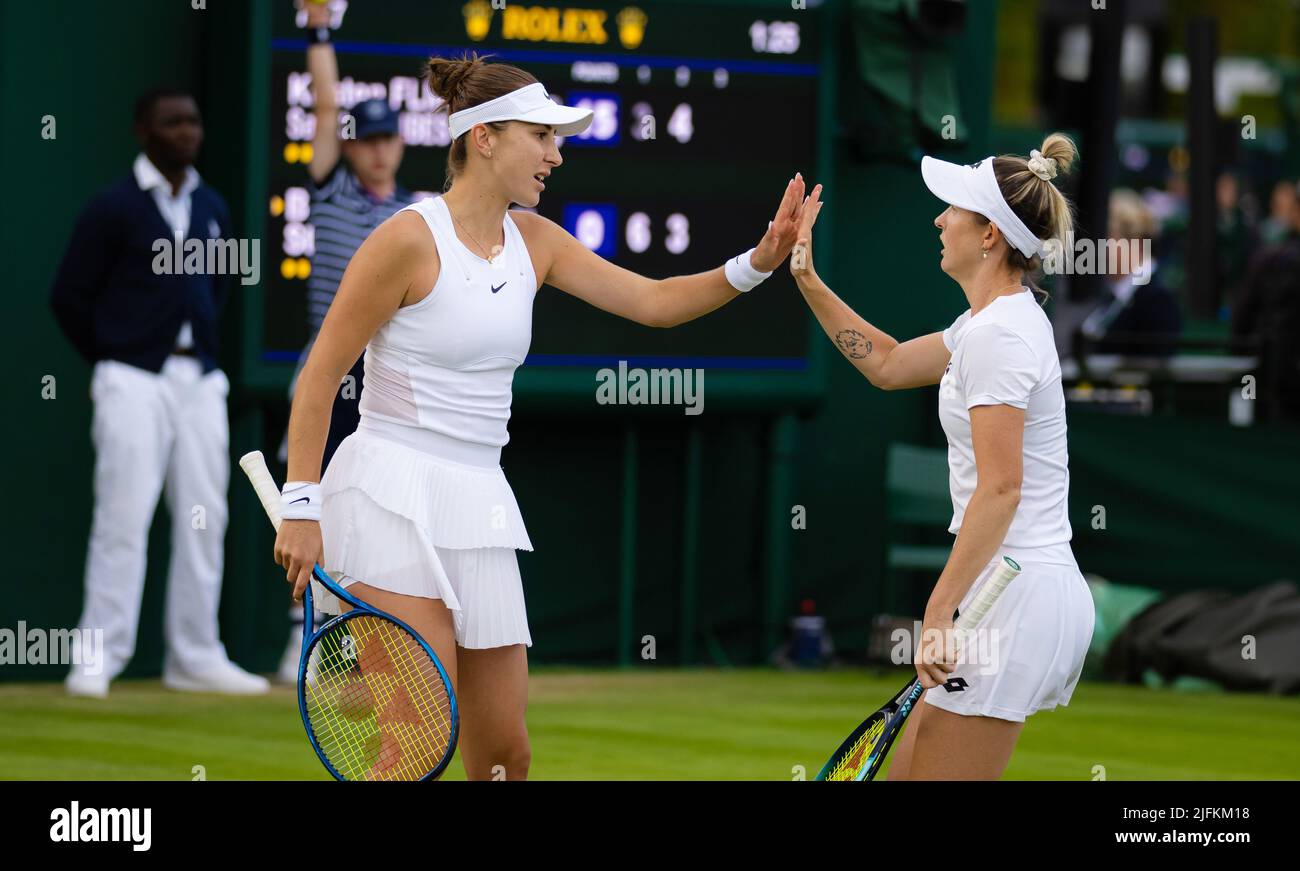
(975, 187)
(530, 104)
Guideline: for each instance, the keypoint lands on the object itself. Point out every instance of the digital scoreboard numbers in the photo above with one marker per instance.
(701, 114)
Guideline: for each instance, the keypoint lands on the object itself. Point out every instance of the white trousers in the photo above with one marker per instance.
(162, 433)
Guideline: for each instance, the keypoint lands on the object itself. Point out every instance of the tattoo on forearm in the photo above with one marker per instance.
(853, 344)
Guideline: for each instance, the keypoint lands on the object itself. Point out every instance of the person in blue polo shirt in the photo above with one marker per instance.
(159, 424)
(352, 178)
(351, 195)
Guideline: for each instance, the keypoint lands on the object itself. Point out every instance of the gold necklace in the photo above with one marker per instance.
(496, 249)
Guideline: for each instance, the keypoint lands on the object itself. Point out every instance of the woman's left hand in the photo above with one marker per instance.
(781, 233)
(935, 656)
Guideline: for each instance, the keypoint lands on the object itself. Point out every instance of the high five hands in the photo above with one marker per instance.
(801, 259)
(789, 234)
(781, 233)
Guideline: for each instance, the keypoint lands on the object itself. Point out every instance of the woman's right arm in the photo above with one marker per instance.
(886, 362)
(399, 259)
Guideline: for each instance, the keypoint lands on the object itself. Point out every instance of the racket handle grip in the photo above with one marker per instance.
(1004, 574)
(254, 466)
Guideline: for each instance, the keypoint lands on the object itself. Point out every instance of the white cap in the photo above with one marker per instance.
(530, 104)
(975, 187)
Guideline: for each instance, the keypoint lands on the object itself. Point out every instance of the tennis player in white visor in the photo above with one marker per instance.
(1003, 411)
(415, 512)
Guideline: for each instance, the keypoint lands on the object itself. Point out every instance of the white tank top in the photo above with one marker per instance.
(438, 374)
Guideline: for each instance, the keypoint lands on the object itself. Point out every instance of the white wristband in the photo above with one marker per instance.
(300, 500)
(741, 273)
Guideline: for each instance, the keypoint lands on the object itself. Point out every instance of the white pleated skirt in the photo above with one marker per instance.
(1027, 653)
(413, 522)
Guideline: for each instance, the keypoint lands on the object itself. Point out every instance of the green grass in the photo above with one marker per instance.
(646, 725)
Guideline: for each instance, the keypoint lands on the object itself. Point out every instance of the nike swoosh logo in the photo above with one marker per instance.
(303, 499)
(499, 286)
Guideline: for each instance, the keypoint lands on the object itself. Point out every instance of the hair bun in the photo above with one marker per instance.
(448, 78)
(1057, 151)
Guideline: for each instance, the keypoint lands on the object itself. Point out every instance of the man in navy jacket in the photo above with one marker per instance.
(159, 426)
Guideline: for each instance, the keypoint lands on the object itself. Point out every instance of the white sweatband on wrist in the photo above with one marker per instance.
(741, 273)
(300, 500)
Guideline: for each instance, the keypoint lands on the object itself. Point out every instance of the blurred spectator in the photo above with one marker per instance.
(160, 422)
(1170, 208)
(1267, 308)
(1134, 318)
(1282, 207)
(1234, 233)
(1176, 193)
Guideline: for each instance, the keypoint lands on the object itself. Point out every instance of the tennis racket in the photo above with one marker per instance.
(863, 752)
(375, 700)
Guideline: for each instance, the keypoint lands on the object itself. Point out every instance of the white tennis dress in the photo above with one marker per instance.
(415, 501)
(1030, 649)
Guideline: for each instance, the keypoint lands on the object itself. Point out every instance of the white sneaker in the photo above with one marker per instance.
(89, 686)
(225, 678)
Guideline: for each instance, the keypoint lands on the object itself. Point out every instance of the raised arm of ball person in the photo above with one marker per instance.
(324, 68)
(886, 362)
(573, 268)
(398, 256)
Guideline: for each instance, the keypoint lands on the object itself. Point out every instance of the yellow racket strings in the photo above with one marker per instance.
(852, 762)
(376, 702)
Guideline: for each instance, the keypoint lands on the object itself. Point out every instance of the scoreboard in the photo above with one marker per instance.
(702, 112)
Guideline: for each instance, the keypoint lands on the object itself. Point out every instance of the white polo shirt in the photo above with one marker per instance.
(175, 209)
(1006, 355)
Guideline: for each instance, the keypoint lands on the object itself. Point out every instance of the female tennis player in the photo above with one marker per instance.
(1003, 411)
(415, 511)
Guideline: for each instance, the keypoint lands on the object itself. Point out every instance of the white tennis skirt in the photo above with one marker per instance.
(1028, 652)
(412, 522)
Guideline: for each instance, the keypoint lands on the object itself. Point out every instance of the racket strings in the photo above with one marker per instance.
(376, 702)
(859, 754)
(339, 702)
(394, 734)
(422, 721)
